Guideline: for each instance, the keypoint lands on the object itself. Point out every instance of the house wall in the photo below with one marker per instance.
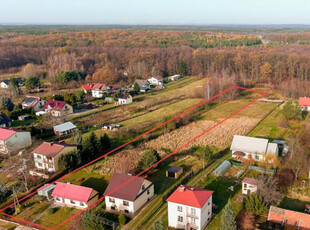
(198, 218)
(97, 93)
(119, 206)
(18, 141)
(305, 108)
(75, 203)
(3, 85)
(58, 133)
(248, 187)
(39, 106)
(125, 101)
(256, 157)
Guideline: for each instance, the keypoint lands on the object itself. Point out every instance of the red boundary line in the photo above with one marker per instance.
(123, 145)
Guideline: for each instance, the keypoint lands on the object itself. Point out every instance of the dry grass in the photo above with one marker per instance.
(219, 137)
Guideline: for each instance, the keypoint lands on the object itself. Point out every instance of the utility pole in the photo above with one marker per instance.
(204, 159)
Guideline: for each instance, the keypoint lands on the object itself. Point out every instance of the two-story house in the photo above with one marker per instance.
(47, 154)
(127, 194)
(74, 195)
(12, 140)
(58, 108)
(189, 208)
(244, 147)
(156, 80)
(99, 89)
(36, 103)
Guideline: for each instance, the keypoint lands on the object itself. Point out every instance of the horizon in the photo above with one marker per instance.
(160, 12)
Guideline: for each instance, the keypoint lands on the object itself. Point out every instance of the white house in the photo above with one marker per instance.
(130, 198)
(249, 185)
(174, 77)
(46, 155)
(156, 80)
(36, 103)
(6, 83)
(124, 99)
(99, 89)
(243, 147)
(304, 103)
(73, 195)
(13, 140)
(189, 208)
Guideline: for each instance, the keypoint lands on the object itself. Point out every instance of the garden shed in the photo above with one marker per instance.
(174, 172)
(47, 190)
(222, 169)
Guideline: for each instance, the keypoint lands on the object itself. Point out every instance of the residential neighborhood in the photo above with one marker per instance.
(154, 116)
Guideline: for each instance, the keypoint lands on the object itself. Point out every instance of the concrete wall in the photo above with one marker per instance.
(248, 188)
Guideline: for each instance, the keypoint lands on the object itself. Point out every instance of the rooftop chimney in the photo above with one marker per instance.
(181, 188)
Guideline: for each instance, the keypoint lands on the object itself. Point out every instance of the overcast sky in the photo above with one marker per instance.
(200, 12)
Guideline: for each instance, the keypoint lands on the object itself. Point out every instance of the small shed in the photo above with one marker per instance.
(46, 190)
(23, 118)
(111, 127)
(174, 172)
(64, 129)
(222, 169)
(109, 99)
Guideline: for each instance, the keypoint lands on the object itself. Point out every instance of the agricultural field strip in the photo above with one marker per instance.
(155, 128)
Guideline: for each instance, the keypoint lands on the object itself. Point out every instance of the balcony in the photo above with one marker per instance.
(192, 226)
(191, 215)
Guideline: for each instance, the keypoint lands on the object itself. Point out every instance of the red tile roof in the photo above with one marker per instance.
(55, 105)
(5, 133)
(290, 218)
(190, 196)
(304, 101)
(99, 86)
(129, 191)
(49, 149)
(248, 180)
(72, 192)
(86, 87)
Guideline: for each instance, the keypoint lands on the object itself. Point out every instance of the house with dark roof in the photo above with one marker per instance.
(64, 129)
(6, 83)
(36, 103)
(74, 195)
(280, 218)
(12, 140)
(144, 85)
(304, 103)
(127, 194)
(249, 185)
(47, 154)
(5, 121)
(244, 147)
(124, 99)
(189, 208)
(58, 108)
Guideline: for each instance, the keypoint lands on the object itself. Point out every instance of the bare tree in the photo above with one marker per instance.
(268, 189)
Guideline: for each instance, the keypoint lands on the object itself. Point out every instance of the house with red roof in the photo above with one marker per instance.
(189, 208)
(87, 88)
(99, 90)
(46, 155)
(304, 103)
(34, 102)
(249, 185)
(127, 194)
(58, 108)
(287, 219)
(12, 140)
(74, 195)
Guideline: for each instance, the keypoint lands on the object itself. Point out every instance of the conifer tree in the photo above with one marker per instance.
(228, 221)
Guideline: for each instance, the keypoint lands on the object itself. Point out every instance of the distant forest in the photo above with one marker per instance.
(122, 54)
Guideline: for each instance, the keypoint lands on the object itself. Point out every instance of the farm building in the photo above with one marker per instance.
(244, 147)
(174, 172)
(222, 169)
(64, 129)
(46, 190)
(111, 127)
(304, 103)
(249, 185)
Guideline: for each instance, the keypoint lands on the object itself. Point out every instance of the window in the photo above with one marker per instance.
(126, 211)
(208, 203)
(40, 164)
(125, 203)
(193, 211)
(39, 156)
(143, 187)
(81, 204)
(193, 220)
(180, 218)
(180, 209)
(256, 157)
(112, 200)
(148, 192)
(58, 199)
(245, 185)
(72, 202)
(208, 213)
(113, 207)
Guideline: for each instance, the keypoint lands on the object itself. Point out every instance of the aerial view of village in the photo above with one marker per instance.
(154, 115)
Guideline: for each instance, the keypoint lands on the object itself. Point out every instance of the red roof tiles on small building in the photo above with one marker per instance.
(72, 192)
(288, 218)
(304, 101)
(190, 196)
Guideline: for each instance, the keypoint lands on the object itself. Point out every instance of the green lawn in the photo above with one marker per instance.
(293, 204)
(18, 123)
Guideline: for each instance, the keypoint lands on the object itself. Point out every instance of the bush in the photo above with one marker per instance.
(51, 211)
(122, 219)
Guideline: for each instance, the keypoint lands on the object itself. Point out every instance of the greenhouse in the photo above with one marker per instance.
(222, 169)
